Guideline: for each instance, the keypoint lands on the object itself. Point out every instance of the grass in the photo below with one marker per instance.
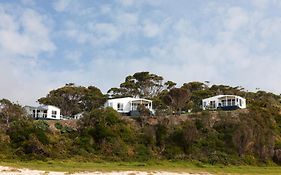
(177, 166)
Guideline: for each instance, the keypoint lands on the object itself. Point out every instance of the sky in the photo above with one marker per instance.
(46, 44)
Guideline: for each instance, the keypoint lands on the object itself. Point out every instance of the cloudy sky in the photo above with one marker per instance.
(45, 44)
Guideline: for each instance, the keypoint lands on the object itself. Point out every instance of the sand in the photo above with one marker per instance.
(4, 170)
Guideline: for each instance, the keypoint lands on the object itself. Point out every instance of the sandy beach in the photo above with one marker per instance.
(4, 170)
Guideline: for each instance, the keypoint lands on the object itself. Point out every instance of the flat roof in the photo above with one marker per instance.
(221, 96)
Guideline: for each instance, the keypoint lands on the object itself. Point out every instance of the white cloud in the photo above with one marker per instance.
(105, 33)
(270, 28)
(151, 29)
(130, 3)
(236, 18)
(27, 36)
(74, 56)
(28, 2)
(235, 46)
(105, 9)
(127, 19)
(127, 2)
(22, 39)
(262, 4)
(61, 5)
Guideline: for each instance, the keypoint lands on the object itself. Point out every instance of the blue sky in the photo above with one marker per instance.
(45, 44)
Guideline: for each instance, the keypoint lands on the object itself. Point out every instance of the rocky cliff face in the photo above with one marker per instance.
(171, 120)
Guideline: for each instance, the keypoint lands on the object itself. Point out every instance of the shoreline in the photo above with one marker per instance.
(6, 170)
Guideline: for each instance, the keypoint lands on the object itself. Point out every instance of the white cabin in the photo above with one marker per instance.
(44, 112)
(128, 104)
(78, 116)
(226, 102)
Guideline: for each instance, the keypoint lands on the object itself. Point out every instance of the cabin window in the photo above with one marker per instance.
(204, 104)
(110, 104)
(223, 103)
(120, 106)
(228, 102)
(34, 113)
(54, 114)
(37, 113)
(240, 102)
(233, 102)
(212, 104)
(45, 114)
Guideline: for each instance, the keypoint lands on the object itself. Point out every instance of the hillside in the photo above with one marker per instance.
(225, 137)
(250, 136)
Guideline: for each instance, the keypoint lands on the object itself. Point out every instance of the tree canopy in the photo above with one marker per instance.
(142, 84)
(73, 99)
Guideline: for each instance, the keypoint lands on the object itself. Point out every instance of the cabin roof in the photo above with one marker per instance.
(221, 96)
(129, 99)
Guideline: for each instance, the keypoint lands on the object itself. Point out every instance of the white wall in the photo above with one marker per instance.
(125, 101)
(49, 112)
(49, 109)
(216, 99)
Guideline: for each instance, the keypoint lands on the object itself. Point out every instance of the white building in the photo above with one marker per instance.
(78, 116)
(44, 112)
(128, 104)
(224, 102)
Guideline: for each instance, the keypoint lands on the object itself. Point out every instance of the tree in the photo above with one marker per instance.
(92, 99)
(170, 84)
(177, 98)
(194, 86)
(242, 138)
(107, 130)
(189, 136)
(142, 84)
(73, 99)
(10, 112)
(198, 91)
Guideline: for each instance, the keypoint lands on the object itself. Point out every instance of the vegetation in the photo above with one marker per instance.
(72, 166)
(73, 99)
(241, 137)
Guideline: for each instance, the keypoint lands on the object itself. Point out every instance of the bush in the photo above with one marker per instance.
(143, 153)
(58, 126)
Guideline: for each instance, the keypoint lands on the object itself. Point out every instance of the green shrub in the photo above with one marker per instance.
(58, 126)
(142, 153)
(42, 125)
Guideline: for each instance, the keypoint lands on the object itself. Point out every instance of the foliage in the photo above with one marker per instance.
(248, 136)
(143, 110)
(142, 84)
(10, 112)
(106, 129)
(73, 99)
(177, 99)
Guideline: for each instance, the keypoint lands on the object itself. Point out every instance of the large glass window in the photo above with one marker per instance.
(54, 114)
(228, 102)
(233, 102)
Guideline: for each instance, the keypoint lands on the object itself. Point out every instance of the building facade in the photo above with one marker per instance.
(128, 105)
(47, 112)
(225, 102)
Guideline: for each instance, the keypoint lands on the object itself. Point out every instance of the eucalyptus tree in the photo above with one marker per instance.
(73, 99)
(142, 84)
